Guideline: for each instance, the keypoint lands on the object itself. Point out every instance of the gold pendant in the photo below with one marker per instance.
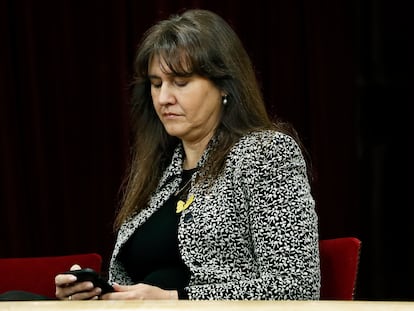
(182, 206)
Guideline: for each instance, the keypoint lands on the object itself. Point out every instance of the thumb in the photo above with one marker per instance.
(75, 267)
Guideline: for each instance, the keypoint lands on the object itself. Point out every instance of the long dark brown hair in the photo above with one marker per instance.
(196, 42)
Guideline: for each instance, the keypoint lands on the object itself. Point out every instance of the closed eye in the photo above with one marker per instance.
(155, 82)
(156, 85)
(181, 82)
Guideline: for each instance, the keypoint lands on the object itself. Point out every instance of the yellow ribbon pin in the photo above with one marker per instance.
(182, 206)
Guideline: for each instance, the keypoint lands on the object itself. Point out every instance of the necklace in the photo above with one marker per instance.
(186, 174)
(183, 187)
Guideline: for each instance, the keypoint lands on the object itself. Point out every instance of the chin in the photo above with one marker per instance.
(173, 131)
(174, 134)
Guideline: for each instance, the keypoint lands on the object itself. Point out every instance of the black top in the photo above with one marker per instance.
(151, 254)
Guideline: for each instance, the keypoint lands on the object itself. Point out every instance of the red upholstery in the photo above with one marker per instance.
(37, 274)
(339, 266)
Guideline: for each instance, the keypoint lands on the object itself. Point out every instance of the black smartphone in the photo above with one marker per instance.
(88, 274)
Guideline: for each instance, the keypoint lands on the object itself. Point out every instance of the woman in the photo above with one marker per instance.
(218, 203)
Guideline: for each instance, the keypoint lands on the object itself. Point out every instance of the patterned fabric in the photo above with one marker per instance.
(252, 233)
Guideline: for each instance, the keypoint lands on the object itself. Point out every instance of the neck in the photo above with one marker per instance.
(193, 153)
(191, 159)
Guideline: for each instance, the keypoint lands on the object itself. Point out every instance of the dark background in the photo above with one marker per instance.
(340, 71)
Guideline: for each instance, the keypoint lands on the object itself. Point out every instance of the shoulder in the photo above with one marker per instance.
(262, 150)
(265, 142)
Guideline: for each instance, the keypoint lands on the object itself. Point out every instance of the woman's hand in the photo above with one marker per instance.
(68, 289)
(139, 291)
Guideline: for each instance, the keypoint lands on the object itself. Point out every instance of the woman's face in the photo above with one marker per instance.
(188, 107)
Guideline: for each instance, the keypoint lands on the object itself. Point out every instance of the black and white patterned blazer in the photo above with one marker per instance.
(253, 233)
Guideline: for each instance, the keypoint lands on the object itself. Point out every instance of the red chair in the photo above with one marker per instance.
(37, 274)
(339, 260)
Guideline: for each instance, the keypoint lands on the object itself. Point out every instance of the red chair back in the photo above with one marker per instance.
(339, 260)
(37, 274)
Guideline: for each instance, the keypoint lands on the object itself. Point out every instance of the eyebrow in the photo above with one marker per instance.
(153, 77)
(171, 75)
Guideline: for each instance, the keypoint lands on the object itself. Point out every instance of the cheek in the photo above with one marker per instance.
(154, 101)
(153, 97)
(156, 106)
(157, 109)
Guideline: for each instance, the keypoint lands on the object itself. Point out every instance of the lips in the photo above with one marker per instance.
(170, 115)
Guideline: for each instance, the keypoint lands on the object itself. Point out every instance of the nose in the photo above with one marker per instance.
(166, 95)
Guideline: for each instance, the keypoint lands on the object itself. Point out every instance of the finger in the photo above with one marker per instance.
(85, 289)
(64, 279)
(64, 289)
(87, 295)
(120, 288)
(117, 296)
(75, 267)
(63, 292)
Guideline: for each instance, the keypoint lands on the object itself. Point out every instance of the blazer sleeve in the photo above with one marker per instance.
(283, 225)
